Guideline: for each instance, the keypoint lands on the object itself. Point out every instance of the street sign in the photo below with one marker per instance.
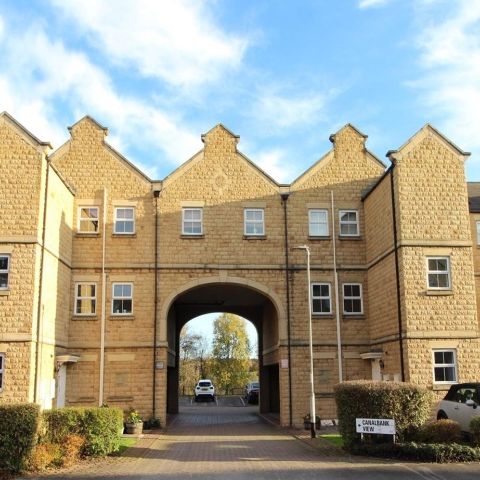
(376, 425)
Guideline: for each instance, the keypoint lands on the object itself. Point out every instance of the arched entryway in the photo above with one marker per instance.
(245, 298)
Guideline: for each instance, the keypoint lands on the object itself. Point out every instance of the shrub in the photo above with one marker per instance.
(44, 455)
(101, 428)
(409, 405)
(18, 432)
(62, 422)
(475, 429)
(71, 448)
(421, 452)
(441, 431)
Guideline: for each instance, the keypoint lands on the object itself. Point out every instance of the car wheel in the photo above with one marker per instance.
(441, 415)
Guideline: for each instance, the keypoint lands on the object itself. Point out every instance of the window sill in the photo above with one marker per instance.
(254, 237)
(127, 235)
(353, 316)
(321, 316)
(85, 317)
(192, 237)
(122, 317)
(87, 234)
(355, 238)
(439, 293)
(4, 292)
(442, 386)
(314, 238)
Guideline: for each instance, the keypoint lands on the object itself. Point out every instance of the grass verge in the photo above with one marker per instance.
(334, 438)
(125, 443)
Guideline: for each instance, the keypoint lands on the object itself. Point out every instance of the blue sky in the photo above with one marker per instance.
(283, 74)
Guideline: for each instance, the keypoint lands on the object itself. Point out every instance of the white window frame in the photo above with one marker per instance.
(189, 209)
(345, 297)
(348, 222)
(77, 297)
(477, 224)
(445, 365)
(439, 272)
(2, 371)
(122, 314)
(7, 270)
(320, 297)
(311, 222)
(256, 222)
(115, 219)
(80, 220)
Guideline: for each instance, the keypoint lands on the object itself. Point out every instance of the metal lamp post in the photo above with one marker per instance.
(310, 342)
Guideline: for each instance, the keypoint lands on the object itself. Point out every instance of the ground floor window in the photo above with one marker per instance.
(4, 271)
(122, 298)
(321, 299)
(352, 299)
(444, 366)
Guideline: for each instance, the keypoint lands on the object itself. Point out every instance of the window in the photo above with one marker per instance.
(88, 219)
(254, 221)
(192, 221)
(124, 220)
(85, 298)
(2, 370)
(352, 299)
(478, 232)
(4, 271)
(122, 299)
(318, 223)
(438, 273)
(321, 301)
(444, 366)
(349, 223)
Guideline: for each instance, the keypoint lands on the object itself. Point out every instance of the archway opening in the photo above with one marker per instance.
(244, 301)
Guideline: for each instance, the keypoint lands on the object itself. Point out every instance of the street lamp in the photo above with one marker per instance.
(310, 341)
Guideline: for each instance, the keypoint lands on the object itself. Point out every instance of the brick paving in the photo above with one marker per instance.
(235, 443)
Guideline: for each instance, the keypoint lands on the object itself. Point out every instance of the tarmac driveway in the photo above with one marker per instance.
(234, 443)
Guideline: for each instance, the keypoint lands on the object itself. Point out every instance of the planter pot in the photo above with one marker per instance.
(134, 428)
(307, 423)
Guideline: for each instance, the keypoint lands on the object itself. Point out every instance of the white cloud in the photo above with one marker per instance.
(176, 41)
(372, 3)
(450, 82)
(38, 73)
(274, 162)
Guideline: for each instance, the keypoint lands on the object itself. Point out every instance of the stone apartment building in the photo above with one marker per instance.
(100, 268)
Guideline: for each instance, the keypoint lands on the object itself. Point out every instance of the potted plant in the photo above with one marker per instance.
(133, 422)
(307, 421)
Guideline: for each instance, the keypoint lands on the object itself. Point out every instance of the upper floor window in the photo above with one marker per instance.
(2, 369)
(124, 220)
(254, 223)
(4, 271)
(85, 298)
(318, 223)
(438, 273)
(478, 232)
(88, 219)
(321, 298)
(349, 223)
(122, 298)
(444, 366)
(352, 298)
(192, 221)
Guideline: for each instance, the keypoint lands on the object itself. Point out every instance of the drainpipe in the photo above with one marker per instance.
(156, 194)
(40, 287)
(284, 197)
(104, 296)
(397, 276)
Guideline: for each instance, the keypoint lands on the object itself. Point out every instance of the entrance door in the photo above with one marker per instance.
(61, 383)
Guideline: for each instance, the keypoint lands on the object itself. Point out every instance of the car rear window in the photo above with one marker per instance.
(255, 385)
(204, 384)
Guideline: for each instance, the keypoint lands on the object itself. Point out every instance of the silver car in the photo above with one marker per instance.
(461, 404)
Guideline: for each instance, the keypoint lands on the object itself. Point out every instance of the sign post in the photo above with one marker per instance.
(376, 426)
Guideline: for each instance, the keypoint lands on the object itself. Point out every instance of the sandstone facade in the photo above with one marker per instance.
(105, 266)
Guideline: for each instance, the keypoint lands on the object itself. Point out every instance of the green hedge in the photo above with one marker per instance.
(100, 427)
(420, 452)
(18, 434)
(440, 431)
(409, 405)
(475, 429)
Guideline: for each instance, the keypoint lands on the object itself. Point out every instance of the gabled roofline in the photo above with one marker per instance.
(29, 134)
(88, 117)
(182, 166)
(259, 170)
(128, 162)
(60, 176)
(309, 169)
(222, 126)
(428, 126)
(332, 136)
